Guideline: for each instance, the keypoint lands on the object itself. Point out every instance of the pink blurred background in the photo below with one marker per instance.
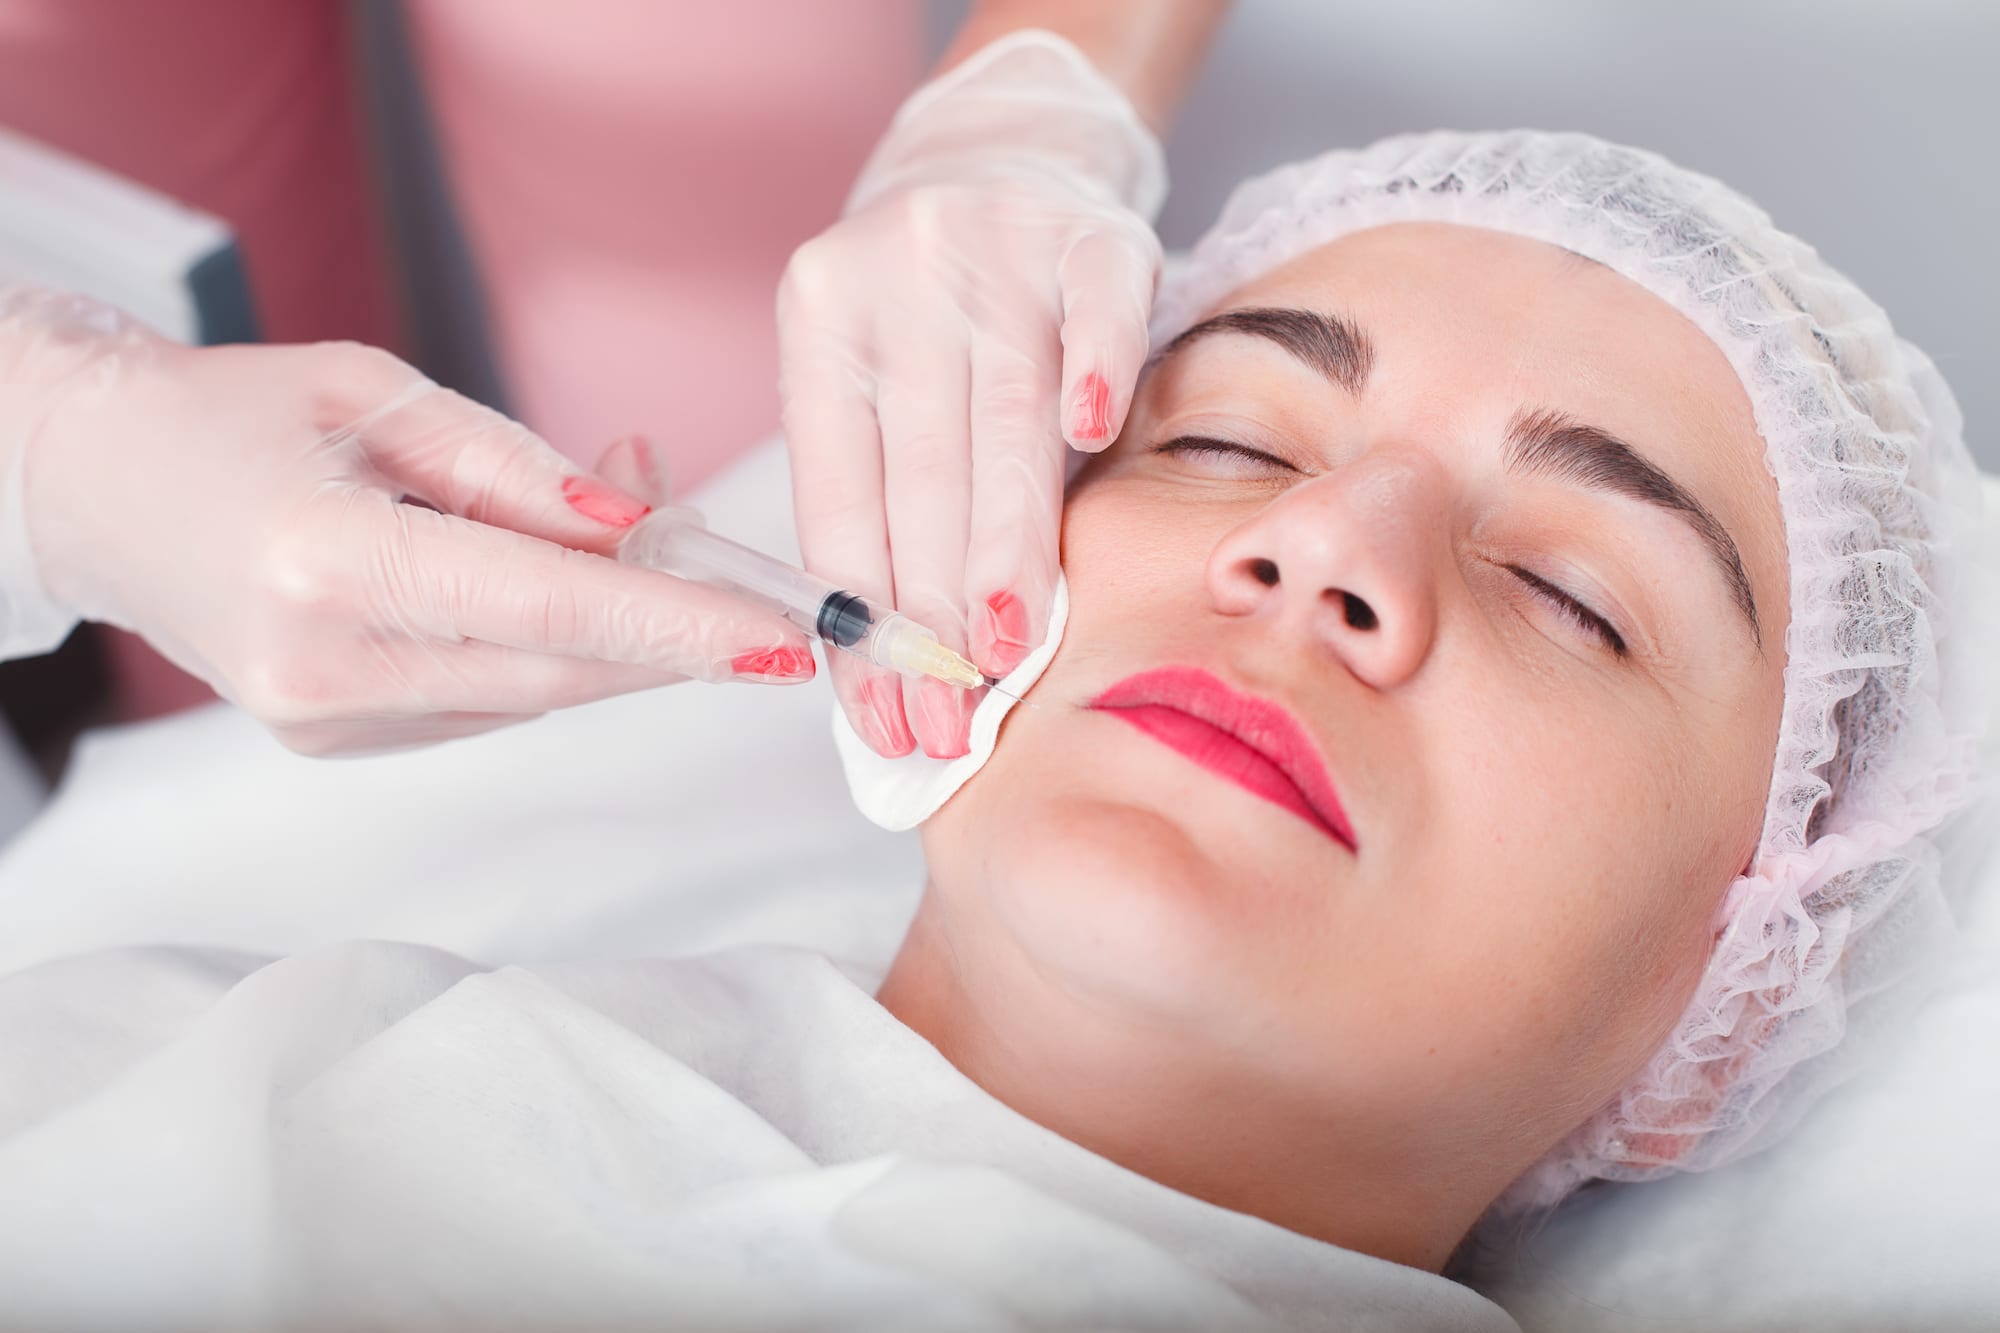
(627, 189)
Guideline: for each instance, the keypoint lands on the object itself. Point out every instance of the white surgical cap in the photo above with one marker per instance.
(1877, 743)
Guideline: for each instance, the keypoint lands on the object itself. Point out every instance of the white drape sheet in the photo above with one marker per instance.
(385, 1134)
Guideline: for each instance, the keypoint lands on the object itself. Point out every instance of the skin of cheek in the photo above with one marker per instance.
(1578, 877)
(1535, 898)
(1541, 925)
(1539, 928)
(1112, 898)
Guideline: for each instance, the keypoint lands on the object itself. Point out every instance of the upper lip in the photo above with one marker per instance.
(1264, 726)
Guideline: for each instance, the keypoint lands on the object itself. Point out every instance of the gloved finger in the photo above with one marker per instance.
(315, 687)
(450, 578)
(836, 454)
(541, 682)
(872, 698)
(477, 676)
(927, 490)
(635, 466)
(1107, 284)
(469, 460)
(1018, 462)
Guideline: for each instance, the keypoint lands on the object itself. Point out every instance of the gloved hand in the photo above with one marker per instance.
(984, 300)
(238, 506)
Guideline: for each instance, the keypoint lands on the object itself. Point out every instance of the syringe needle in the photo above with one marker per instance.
(1006, 694)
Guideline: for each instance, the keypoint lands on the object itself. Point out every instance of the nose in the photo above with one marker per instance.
(1347, 562)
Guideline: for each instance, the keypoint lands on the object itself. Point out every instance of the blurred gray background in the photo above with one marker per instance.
(1866, 128)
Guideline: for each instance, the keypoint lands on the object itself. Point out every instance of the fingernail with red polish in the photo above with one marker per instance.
(883, 726)
(775, 664)
(595, 500)
(947, 716)
(1090, 410)
(1001, 634)
(642, 471)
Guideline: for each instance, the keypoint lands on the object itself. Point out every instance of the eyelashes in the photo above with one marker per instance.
(1573, 610)
(1570, 607)
(1182, 446)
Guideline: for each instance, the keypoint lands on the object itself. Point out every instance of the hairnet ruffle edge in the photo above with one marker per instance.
(1822, 944)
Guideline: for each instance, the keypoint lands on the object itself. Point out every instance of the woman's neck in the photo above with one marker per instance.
(1146, 1097)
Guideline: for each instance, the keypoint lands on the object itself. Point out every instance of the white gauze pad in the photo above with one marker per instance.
(902, 793)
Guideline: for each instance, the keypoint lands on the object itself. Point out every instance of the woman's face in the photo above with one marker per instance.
(1491, 524)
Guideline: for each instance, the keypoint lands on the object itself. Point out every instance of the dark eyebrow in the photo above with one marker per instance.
(1542, 442)
(1334, 347)
(1554, 445)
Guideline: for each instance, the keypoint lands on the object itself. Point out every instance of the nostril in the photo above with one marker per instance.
(1265, 572)
(1359, 614)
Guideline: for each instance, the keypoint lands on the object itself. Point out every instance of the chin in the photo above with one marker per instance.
(1114, 903)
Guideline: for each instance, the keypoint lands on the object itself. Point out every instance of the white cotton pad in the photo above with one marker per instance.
(902, 793)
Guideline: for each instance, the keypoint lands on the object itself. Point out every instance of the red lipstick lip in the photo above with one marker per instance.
(1150, 699)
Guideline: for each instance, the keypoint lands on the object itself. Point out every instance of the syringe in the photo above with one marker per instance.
(676, 541)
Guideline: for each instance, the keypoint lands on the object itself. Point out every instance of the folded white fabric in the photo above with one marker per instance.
(386, 1136)
(902, 793)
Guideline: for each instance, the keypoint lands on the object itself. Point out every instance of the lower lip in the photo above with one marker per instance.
(1225, 756)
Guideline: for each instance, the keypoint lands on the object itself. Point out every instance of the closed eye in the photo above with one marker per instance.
(1570, 607)
(1575, 611)
(1183, 446)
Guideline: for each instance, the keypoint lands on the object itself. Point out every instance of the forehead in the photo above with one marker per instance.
(1470, 325)
(1526, 311)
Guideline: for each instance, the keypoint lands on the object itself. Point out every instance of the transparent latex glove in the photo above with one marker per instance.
(984, 300)
(239, 507)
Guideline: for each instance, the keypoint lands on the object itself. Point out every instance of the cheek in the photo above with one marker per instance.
(1114, 896)
(1126, 534)
(1111, 900)
(1588, 857)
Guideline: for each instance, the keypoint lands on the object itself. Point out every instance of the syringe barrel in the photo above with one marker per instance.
(886, 638)
(675, 542)
(889, 640)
